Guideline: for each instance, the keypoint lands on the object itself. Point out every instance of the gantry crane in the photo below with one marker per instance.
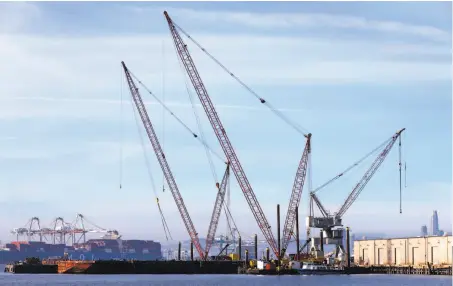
(329, 221)
(221, 134)
(163, 162)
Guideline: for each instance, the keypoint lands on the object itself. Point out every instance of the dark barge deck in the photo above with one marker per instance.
(128, 267)
(197, 267)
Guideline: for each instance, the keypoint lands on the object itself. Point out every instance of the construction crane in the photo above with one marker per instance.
(296, 195)
(217, 210)
(328, 221)
(221, 134)
(163, 162)
(305, 160)
(221, 188)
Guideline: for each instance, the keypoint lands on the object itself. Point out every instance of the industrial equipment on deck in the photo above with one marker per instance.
(330, 224)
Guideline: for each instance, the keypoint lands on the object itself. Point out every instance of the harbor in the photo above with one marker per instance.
(252, 195)
(309, 259)
(208, 267)
(306, 261)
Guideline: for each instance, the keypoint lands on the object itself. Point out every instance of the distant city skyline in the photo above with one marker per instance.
(434, 227)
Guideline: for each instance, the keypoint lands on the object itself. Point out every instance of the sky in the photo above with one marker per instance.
(352, 74)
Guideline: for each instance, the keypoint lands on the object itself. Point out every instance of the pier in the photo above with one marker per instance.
(405, 270)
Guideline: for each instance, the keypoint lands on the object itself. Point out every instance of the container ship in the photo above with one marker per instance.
(34, 241)
(110, 246)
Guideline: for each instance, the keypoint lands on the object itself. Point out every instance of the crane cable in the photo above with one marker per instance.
(405, 167)
(405, 173)
(84, 219)
(227, 203)
(353, 165)
(163, 113)
(228, 213)
(226, 207)
(164, 222)
(277, 112)
(368, 175)
(176, 117)
(121, 131)
(202, 141)
(399, 166)
(197, 119)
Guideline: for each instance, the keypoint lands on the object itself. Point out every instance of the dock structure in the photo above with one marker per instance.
(428, 252)
(427, 270)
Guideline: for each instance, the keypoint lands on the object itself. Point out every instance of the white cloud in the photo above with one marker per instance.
(89, 68)
(83, 66)
(101, 108)
(303, 21)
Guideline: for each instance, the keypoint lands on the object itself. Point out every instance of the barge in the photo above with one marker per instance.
(31, 265)
(126, 267)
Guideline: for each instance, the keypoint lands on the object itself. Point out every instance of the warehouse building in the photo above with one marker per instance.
(413, 251)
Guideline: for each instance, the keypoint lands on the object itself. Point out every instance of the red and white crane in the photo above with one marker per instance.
(227, 147)
(221, 188)
(220, 132)
(217, 210)
(163, 162)
(296, 195)
(328, 221)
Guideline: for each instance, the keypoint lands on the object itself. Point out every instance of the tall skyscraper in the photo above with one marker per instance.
(424, 231)
(434, 224)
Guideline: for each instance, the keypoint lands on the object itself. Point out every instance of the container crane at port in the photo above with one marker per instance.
(59, 231)
(228, 149)
(329, 221)
(163, 162)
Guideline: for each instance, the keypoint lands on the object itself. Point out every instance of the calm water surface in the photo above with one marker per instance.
(205, 280)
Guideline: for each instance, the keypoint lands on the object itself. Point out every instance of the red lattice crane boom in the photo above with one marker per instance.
(328, 221)
(369, 174)
(163, 162)
(296, 194)
(217, 210)
(220, 132)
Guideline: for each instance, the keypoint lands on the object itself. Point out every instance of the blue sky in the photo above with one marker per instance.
(350, 73)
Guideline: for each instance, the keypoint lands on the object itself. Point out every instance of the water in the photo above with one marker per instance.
(221, 280)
